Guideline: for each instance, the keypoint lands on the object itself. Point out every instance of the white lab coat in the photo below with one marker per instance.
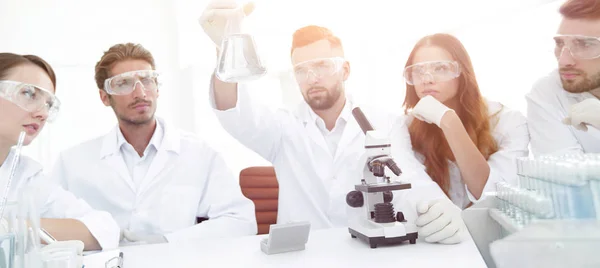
(547, 105)
(187, 179)
(509, 129)
(52, 201)
(313, 182)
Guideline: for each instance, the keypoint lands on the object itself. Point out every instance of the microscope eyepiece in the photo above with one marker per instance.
(362, 120)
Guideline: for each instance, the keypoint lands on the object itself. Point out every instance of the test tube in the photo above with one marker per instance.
(500, 197)
(521, 174)
(530, 207)
(533, 182)
(558, 189)
(595, 183)
(521, 206)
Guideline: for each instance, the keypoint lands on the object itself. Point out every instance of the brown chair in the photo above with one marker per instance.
(259, 184)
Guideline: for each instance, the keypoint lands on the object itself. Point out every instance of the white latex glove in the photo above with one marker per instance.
(214, 18)
(144, 238)
(77, 245)
(440, 221)
(584, 113)
(430, 110)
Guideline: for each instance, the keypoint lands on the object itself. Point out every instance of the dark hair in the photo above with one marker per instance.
(312, 33)
(581, 9)
(9, 61)
(119, 53)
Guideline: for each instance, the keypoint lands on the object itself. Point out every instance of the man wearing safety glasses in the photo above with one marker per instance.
(315, 148)
(154, 179)
(564, 107)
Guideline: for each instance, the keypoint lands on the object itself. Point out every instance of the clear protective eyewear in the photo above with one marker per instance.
(125, 83)
(431, 71)
(30, 98)
(318, 68)
(580, 46)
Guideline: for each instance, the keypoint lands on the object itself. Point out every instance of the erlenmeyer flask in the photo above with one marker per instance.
(239, 60)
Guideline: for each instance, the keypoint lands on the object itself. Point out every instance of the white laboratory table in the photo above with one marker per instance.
(325, 248)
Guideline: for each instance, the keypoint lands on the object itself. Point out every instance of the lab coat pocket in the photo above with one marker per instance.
(178, 208)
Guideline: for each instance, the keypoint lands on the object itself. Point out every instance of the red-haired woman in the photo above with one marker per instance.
(465, 143)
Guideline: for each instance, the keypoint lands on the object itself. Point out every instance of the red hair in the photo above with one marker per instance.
(311, 34)
(581, 9)
(428, 139)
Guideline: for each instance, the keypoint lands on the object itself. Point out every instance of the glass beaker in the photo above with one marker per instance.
(238, 59)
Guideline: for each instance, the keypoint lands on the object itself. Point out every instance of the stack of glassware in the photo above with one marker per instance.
(19, 228)
(523, 206)
(553, 187)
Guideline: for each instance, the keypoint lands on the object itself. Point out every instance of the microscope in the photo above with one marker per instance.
(371, 213)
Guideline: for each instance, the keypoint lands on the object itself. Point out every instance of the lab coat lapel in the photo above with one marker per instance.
(317, 137)
(26, 169)
(164, 159)
(113, 160)
(351, 132)
(311, 128)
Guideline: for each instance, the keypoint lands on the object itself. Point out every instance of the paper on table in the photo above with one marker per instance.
(98, 260)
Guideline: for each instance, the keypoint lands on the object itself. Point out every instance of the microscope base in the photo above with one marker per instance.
(382, 240)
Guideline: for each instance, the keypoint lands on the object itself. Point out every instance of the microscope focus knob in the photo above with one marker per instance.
(355, 199)
(388, 196)
(400, 217)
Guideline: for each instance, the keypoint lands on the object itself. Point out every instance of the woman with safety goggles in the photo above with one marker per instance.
(466, 143)
(27, 102)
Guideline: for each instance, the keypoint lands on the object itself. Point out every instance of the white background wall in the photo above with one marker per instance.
(509, 42)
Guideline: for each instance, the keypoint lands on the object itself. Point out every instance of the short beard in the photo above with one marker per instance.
(131, 121)
(587, 84)
(327, 101)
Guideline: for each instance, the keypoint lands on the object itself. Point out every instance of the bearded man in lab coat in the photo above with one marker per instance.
(564, 107)
(154, 179)
(315, 148)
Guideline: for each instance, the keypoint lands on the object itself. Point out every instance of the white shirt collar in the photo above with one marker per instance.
(344, 117)
(155, 141)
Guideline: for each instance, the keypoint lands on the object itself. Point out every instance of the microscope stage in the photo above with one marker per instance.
(382, 240)
(382, 187)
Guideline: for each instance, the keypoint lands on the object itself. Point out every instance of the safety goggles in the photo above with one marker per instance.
(30, 98)
(125, 83)
(580, 47)
(318, 68)
(431, 71)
